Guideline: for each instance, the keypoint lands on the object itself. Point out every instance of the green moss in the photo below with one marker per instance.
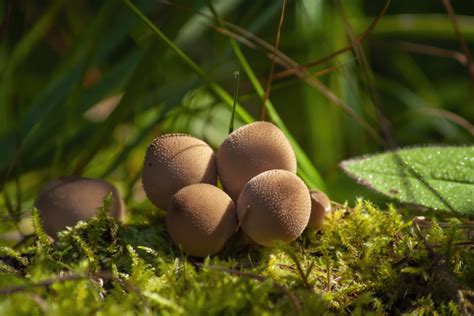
(366, 260)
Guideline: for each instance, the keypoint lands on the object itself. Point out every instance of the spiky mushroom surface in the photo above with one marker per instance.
(200, 219)
(274, 206)
(320, 207)
(174, 161)
(251, 150)
(66, 201)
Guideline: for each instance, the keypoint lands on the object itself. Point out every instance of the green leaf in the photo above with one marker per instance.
(441, 178)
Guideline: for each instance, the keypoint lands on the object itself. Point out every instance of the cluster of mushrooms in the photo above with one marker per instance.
(261, 193)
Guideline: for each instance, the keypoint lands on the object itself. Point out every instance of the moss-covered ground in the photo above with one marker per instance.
(365, 260)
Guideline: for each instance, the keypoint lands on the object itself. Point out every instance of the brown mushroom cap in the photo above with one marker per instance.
(66, 201)
(173, 161)
(201, 218)
(251, 150)
(275, 205)
(320, 207)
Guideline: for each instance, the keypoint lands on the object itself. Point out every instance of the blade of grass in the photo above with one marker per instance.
(287, 62)
(383, 123)
(355, 41)
(151, 123)
(66, 95)
(306, 169)
(453, 117)
(134, 89)
(21, 50)
(305, 163)
(213, 86)
(236, 96)
(28, 42)
(460, 36)
(324, 142)
(272, 65)
(412, 100)
(53, 95)
(307, 77)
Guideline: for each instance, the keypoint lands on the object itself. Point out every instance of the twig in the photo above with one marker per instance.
(357, 41)
(310, 79)
(383, 122)
(426, 50)
(278, 59)
(460, 36)
(272, 65)
(453, 117)
(288, 63)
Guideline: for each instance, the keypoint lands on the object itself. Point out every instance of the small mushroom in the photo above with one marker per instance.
(200, 219)
(320, 207)
(66, 201)
(251, 150)
(275, 205)
(174, 161)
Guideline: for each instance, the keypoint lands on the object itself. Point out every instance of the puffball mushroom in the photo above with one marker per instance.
(251, 150)
(320, 207)
(66, 201)
(200, 219)
(274, 205)
(174, 161)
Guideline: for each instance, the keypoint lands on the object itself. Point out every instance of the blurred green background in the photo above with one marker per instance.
(86, 85)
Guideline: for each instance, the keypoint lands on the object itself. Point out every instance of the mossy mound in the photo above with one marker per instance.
(365, 260)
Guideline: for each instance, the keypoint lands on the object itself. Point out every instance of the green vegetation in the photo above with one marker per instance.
(441, 178)
(365, 260)
(86, 85)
